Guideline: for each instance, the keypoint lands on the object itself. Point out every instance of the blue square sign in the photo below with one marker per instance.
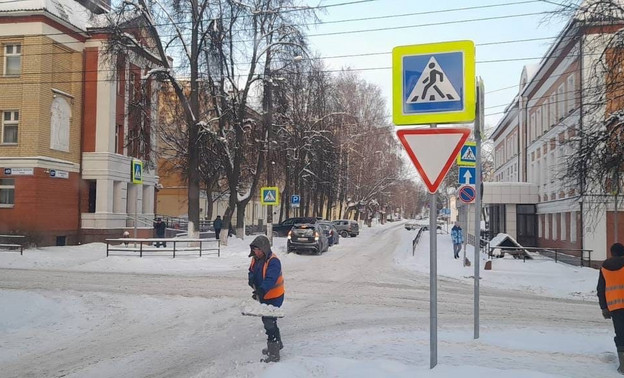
(433, 83)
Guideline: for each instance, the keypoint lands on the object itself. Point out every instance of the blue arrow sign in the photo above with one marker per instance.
(467, 175)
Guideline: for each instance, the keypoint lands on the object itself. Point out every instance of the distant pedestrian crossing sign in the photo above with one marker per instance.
(137, 171)
(269, 195)
(433, 83)
(467, 156)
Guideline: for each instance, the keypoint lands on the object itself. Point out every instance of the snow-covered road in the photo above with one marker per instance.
(352, 311)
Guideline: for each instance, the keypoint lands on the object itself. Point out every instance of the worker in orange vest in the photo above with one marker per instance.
(265, 276)
(611, 296)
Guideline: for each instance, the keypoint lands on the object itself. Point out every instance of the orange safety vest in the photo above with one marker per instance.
(614, 288)
(278, 289)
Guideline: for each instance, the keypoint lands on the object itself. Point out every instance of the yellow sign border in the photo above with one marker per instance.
(467, 115)
(136, 162)
(267, 188)
(462, 163)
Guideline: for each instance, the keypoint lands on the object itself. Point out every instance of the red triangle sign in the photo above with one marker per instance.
(433, 151)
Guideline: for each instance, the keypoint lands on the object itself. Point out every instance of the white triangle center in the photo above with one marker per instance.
(269, 197)
(469, 155)
(433, 151)
(433, 85)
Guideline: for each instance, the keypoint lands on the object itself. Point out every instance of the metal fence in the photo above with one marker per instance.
(576, 257)
(416, 239)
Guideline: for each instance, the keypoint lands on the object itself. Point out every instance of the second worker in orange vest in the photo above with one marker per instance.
(611, 296)
(265, 276)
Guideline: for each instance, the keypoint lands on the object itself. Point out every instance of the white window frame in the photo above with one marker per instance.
(12, 121)
(16, 52)
(538, 122)
(545, 125)
(9, 185)
(552, 111)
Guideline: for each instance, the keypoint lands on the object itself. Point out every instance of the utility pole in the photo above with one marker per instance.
(267, 118)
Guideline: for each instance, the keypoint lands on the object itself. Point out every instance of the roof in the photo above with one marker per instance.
(69, 11)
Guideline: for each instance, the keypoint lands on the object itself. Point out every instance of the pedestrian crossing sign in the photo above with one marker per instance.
(433, 83)
(136, 171)
(269, 195)
(467, 156)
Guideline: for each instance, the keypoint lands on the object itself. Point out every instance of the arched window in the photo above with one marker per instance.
(60, 115)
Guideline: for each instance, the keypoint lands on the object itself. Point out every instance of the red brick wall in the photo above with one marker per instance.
(611, 229)
(45, 207)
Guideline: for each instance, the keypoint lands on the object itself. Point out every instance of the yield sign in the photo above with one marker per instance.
(433, 151)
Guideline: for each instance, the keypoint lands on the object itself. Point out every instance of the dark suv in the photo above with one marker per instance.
(307, 237)
(347, 227)
(281, 229)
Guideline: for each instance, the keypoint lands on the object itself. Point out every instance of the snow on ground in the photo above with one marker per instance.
(352, 337)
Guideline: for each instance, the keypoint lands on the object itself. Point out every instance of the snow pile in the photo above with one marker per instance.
(255, 308)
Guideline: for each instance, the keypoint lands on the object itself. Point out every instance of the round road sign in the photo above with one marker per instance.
(467, 193)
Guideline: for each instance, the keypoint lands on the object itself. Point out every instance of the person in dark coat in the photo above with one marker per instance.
(217, 224)
(610, 292)
(159, 229)
(265, 277)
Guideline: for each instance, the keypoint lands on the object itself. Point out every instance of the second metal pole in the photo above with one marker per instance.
(433, 279)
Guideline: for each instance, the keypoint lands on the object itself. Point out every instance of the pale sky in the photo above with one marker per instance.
(522, 20)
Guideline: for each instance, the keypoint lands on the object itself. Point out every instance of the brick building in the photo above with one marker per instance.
(530, 151)
(70, 127)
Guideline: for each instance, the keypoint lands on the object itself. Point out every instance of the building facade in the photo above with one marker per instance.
(70, 126)
(532, 148)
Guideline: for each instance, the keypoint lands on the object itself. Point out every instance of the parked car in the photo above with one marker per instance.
(347, 227)
(282, 229)
(307, 237)
(330, 231)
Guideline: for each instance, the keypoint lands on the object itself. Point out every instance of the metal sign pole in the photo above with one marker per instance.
(433, 279)
(477, 256)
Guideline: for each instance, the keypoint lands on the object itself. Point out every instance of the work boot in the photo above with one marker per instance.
(273, 354)
(265, 351)
(620, 368)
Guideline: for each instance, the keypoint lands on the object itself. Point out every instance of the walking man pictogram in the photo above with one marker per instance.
(431, 81)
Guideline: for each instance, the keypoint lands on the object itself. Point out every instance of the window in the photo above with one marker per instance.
(552, 110)
(564, 225)
(538, 123)
(12, 59)
(532, 126)
(10, 120)
(561, 102)
(571, 94)
(7, 192)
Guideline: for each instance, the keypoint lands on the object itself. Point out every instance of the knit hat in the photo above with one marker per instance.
(617, 249)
